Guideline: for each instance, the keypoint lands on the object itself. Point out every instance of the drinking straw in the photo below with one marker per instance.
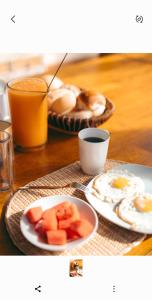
(57, 71)
(58, 68)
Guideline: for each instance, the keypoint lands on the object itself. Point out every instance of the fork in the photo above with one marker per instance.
(78, 186)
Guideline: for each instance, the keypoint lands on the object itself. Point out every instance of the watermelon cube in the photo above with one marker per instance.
(82, 227)
(56, 237)
(34, 214)
(39, 229)
(72, 235)
(50, 220)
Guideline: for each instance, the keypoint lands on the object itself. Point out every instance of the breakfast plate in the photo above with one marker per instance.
(107, 210)
(45, 203)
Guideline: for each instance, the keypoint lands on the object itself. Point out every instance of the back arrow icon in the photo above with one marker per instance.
(38, 288)
(12, 19)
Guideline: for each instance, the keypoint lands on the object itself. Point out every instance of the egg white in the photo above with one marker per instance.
(127, 211)
(104, 190)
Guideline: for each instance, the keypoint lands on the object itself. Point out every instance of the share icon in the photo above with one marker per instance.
(38, 289)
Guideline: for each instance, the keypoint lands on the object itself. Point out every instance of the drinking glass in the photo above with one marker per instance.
(29, 113)
(6, 168)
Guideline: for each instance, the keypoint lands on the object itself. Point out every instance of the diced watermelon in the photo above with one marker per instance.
(64, 224)
(71, 235)
(34, 214)
(68, 212)
(63, 210)
(75, 213)
(50, 221)
(56, 237)
(59, 224)
(64, 213)
(82, 227)
(60, 214)
(64, 205)
(47, 213)
(39, 229)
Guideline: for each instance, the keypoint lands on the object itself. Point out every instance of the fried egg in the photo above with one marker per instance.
(137, 211)
(116, 185)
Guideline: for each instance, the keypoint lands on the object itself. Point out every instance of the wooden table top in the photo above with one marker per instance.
(126, 79)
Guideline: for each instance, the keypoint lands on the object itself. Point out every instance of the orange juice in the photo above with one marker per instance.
(28, 107)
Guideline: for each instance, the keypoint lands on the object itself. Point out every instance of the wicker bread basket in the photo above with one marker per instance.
(73, 125)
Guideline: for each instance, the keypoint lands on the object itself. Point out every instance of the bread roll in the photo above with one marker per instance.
(72, 88)
(61, 101)
(56, 84)
(88, 100)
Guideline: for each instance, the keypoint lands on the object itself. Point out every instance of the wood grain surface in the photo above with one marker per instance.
(126, 79)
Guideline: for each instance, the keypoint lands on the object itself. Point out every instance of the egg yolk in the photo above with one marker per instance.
(143, 205)
(120, 183)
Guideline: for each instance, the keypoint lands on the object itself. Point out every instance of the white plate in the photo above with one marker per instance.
(106, 209)
(47, 202)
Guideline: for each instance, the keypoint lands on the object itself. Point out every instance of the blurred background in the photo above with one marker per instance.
(13, 66)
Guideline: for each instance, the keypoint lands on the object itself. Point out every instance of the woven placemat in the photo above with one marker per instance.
(110, 239)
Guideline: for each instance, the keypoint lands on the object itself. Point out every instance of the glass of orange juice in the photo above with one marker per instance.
(28, 107)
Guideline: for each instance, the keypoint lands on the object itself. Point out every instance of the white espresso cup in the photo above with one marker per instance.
(93, 154)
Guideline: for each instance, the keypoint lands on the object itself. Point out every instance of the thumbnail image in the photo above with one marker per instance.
(75, 154)
(76, 268)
